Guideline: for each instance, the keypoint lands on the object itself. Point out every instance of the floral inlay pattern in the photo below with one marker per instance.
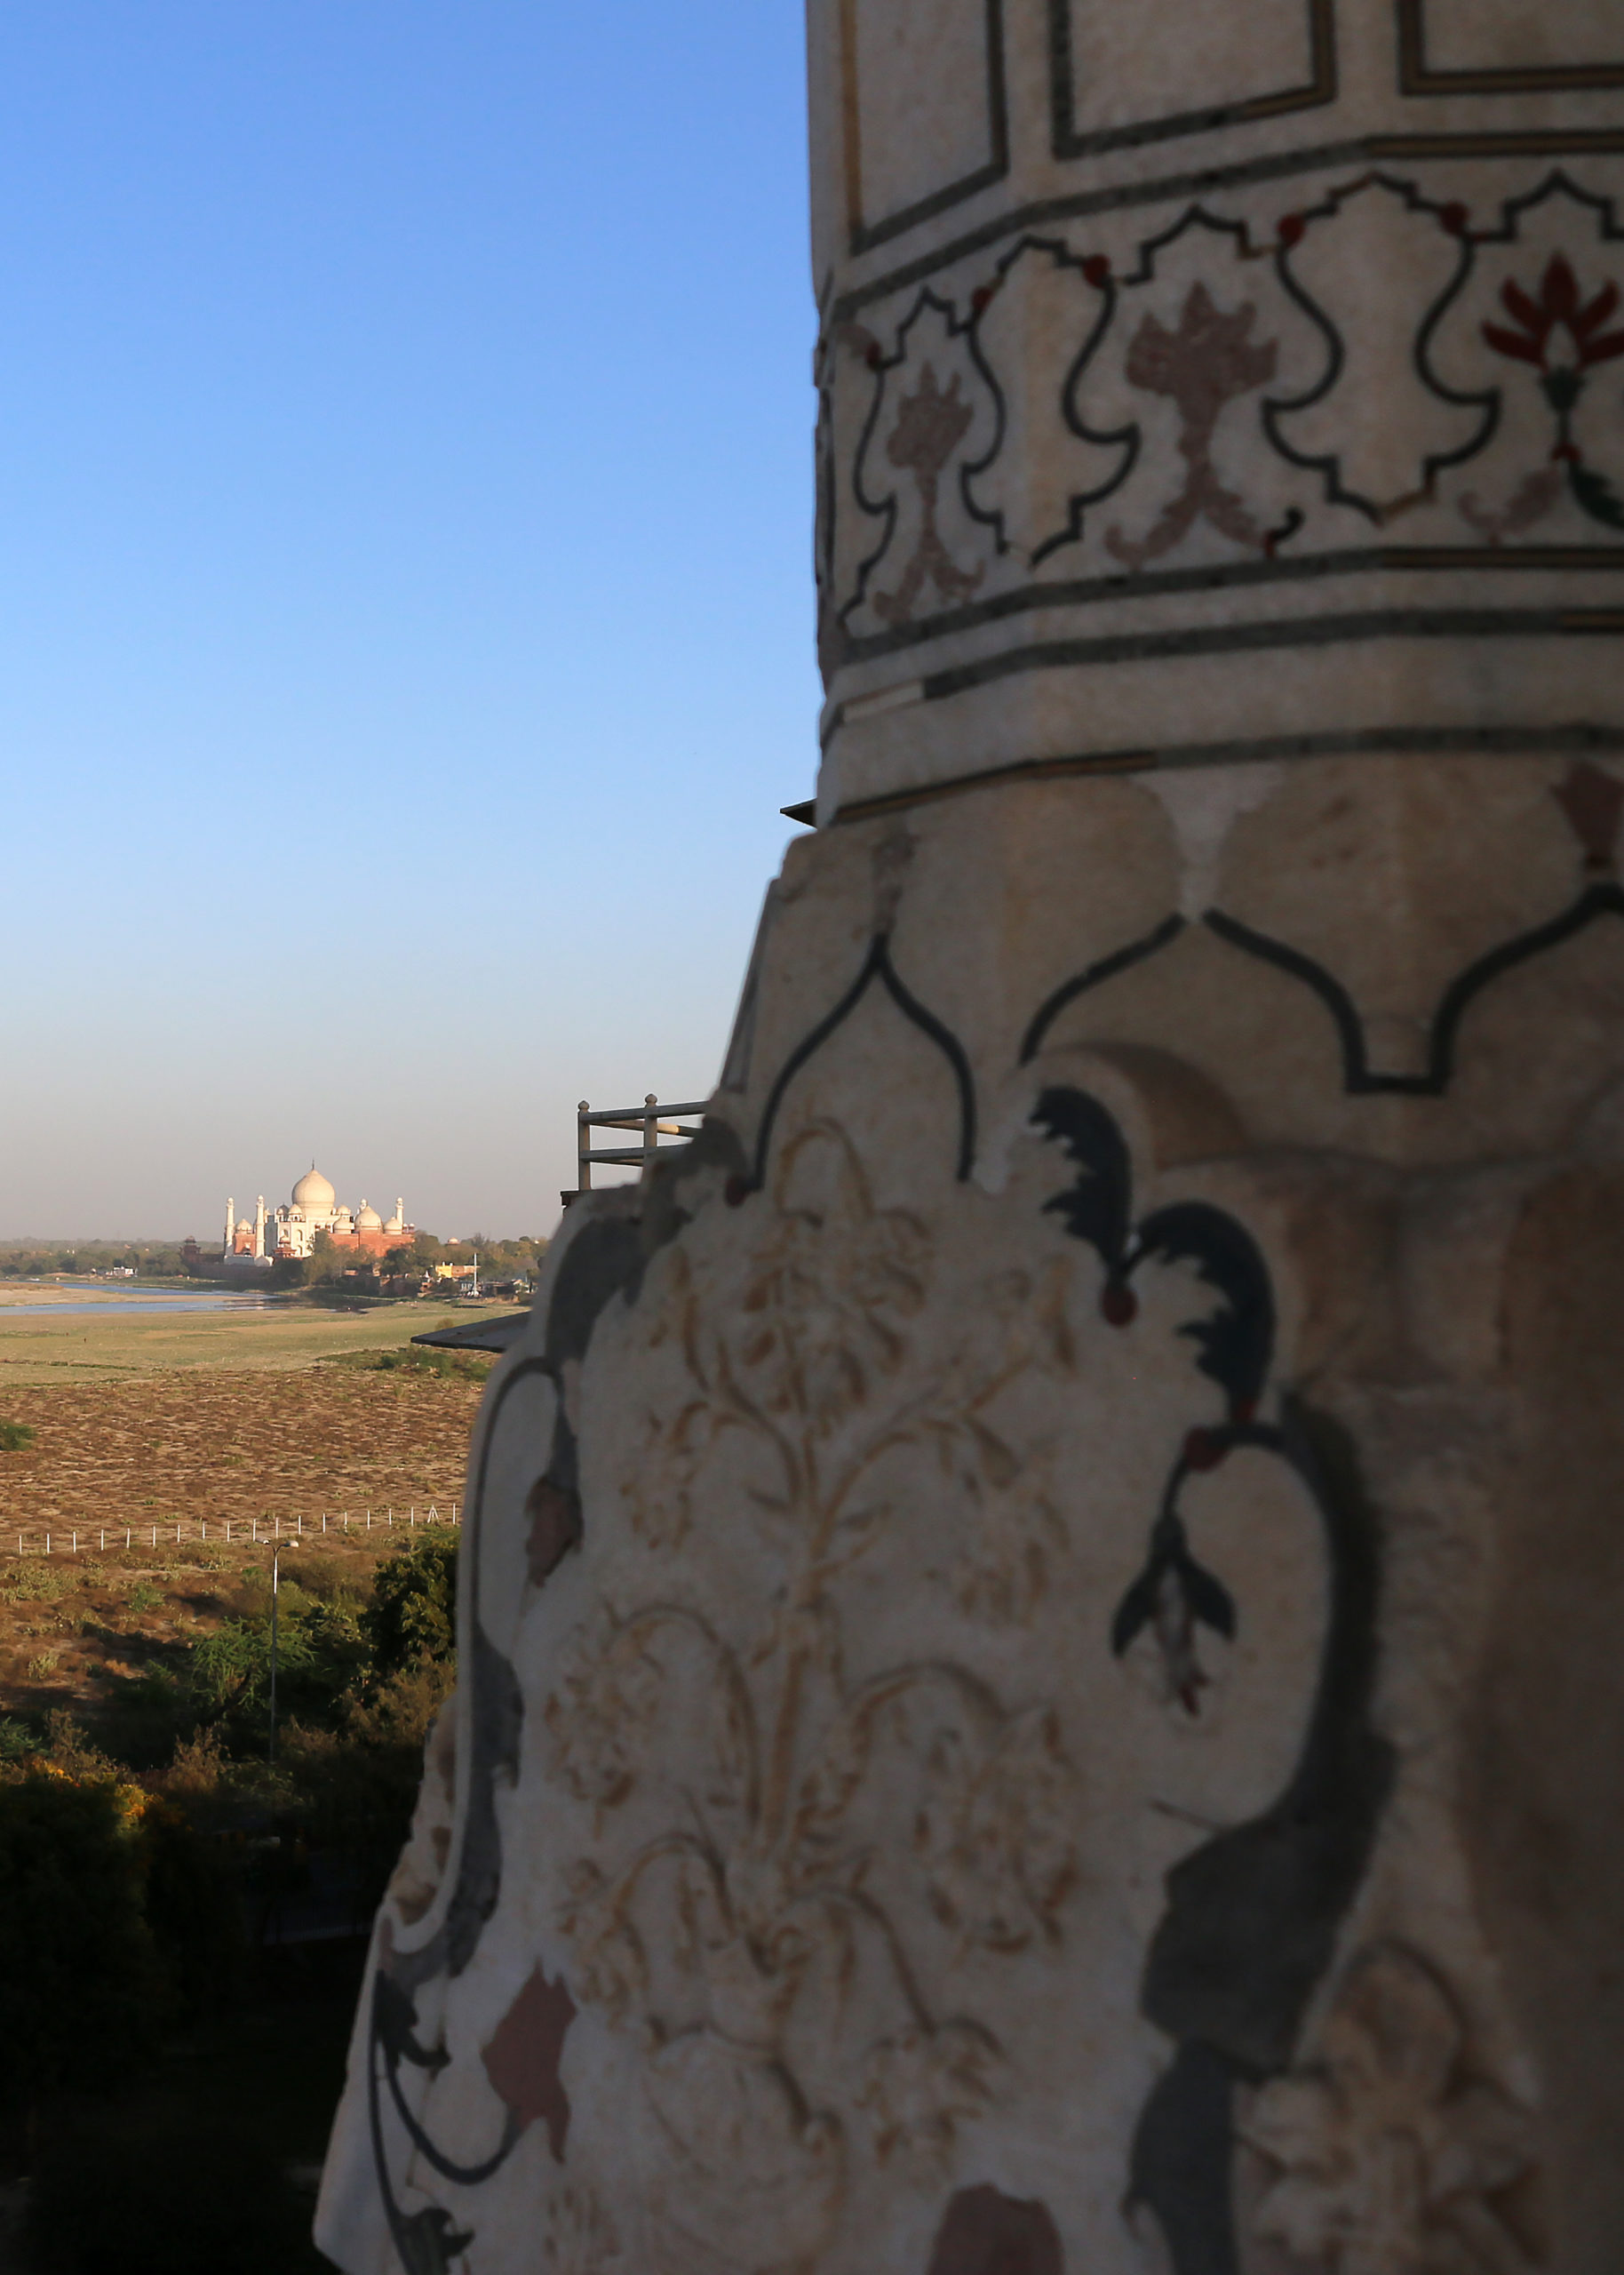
(1390, 2159)
(931, 424)
(1259, 329)
(1209, 360)
(1564, 336)
(778, 1872)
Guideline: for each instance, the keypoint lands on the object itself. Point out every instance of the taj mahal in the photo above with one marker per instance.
(290, 1230)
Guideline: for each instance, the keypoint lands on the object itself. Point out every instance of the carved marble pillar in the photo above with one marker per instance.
(1040, 1686)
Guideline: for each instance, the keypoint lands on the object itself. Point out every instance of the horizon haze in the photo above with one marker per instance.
(407, 638)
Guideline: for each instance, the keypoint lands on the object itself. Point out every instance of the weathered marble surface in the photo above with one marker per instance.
(1039, 1615)
(1040, 1683)
(1215, 382)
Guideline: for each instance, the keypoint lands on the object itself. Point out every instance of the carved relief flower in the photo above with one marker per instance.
(607, 1695)
(995, 1831)
(661, 1489)
(921, 2085)
(612, 1968)
(831, 1285)
(1019, 1535)
(579, 2236)
(1390, 2162)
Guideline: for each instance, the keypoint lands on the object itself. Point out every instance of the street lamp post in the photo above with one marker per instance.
(276, 1586)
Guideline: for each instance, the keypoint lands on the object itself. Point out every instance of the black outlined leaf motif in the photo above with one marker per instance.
(428, 2243)
(1095, 1207)
(1236, 1342)
(1172, 1597)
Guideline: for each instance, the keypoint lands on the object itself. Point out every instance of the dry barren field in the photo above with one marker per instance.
(162, 1448)
(187, 1422)
(66, 1344)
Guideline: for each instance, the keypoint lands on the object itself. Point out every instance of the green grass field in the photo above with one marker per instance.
(107, 1345)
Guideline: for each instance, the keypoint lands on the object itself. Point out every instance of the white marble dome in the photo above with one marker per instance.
(368, 1220)
(314, 1194)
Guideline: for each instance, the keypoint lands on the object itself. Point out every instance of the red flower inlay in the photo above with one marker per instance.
(1593, 803)
(523, 2059)
(1558, 308)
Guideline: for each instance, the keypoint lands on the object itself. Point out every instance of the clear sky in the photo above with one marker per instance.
(405, 591)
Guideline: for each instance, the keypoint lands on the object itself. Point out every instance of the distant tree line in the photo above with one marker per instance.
(31, 1259)
(332, 1263)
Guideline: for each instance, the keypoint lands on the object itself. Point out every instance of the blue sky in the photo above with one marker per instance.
(405, 591)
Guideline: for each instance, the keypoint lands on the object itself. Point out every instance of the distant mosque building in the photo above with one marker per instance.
(291, 1229)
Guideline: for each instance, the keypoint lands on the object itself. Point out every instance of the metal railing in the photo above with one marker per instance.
(651, 1120)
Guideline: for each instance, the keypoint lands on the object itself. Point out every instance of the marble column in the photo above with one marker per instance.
(1039, 1675)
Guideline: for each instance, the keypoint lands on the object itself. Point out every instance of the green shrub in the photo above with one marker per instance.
(14, 1436)
(80, 1989)
(31, 1581)
(321, 1655)
(412, 1615)
(357, 1788)
(415, 1360)
(145, 1716)
(189, 1897)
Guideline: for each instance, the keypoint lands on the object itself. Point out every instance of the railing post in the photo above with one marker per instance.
(583, 1147)
(651, 1133)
